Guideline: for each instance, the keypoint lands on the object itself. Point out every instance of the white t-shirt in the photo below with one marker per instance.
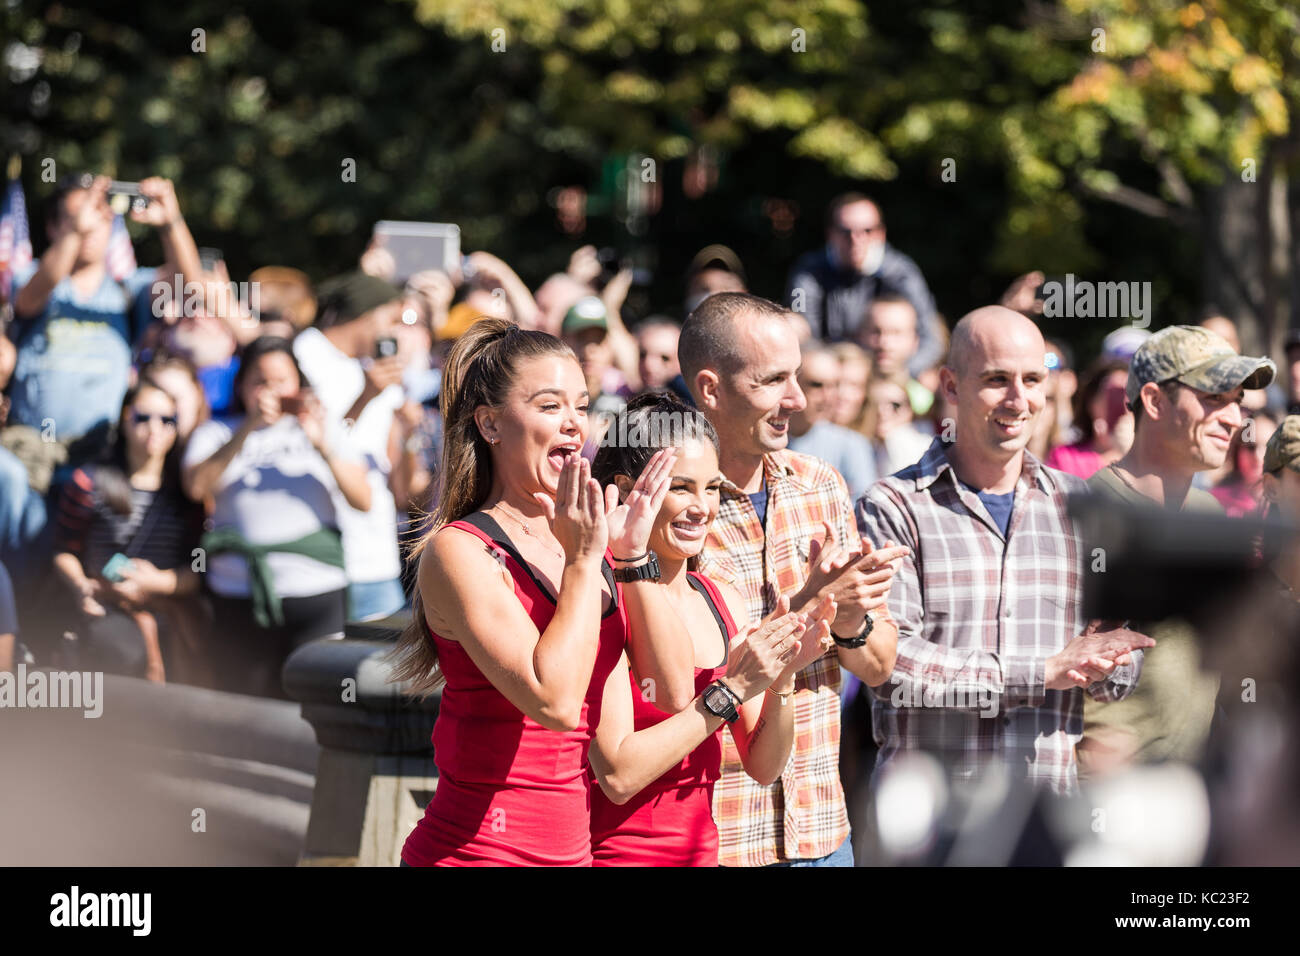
(277, 489)
(369, 537)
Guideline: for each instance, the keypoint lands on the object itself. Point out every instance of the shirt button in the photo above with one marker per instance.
(1009, 612)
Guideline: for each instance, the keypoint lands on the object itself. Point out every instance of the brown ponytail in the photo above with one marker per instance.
(479, 371)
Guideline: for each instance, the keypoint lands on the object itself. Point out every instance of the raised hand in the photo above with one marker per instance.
(631, 522)
(266, 410)
(858, 579)
(761, 652)
(311, 419)
(163, 208)
(878, 567)
(382, 372)
(816, 640)
(378, 262)
(1022, 294)
(576, 514)
(584, 264)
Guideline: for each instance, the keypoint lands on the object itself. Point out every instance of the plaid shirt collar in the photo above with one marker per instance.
(934, 463)
(776, 470)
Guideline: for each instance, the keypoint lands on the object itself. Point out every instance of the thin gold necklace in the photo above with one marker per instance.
(528, 531)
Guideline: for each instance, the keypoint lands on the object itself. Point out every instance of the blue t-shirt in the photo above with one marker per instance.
(999, 506)
(218, 382)
(759, 500)
(75, 357)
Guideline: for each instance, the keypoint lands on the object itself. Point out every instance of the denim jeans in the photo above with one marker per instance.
(841, 857)
(372, 600)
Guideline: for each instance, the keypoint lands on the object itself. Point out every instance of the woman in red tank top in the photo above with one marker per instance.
(517, 609)
(649, 811)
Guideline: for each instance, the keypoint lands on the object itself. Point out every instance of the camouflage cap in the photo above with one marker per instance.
(1283, 448)
(1198, 358)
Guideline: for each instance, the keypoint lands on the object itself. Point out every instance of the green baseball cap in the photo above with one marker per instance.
(587, 313)
(1198, 358)
(350, 296)
(1283, 448)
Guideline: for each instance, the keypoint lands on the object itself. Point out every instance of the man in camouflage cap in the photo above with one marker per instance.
(1195, 357)
(1185, 387)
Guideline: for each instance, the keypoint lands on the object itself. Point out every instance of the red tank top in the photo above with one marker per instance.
(510, 792)
(670, 822)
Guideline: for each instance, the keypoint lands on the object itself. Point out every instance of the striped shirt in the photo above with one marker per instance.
(978, 615)
(801, 816)
(85, 525)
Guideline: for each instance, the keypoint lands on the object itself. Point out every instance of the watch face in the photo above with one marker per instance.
(716, 699)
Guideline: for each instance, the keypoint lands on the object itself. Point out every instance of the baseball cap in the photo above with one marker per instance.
(587, 313)
(1283, 448)
(716, 256)
(1198, 358)
(351, 296)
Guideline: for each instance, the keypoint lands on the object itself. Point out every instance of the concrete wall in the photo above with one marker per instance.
(168, 776)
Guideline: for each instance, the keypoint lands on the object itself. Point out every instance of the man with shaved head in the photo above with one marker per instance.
(993, 656)
(740, 358)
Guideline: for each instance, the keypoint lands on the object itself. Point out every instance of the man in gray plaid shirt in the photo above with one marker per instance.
(993, 656)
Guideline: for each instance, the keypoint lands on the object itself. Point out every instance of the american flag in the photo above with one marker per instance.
(15, 239)
(121, 256)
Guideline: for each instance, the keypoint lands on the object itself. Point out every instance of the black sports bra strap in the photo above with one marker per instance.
(490, 527)
(696, 583)
(608, 572)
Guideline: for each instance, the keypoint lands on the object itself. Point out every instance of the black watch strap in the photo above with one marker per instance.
(857, 640)
(642, 572)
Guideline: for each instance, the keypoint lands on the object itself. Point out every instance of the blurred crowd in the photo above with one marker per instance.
(197, 476)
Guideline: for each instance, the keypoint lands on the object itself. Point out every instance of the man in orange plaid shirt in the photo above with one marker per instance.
(785, 525)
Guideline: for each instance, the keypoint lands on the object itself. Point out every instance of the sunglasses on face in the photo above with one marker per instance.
(141, 418)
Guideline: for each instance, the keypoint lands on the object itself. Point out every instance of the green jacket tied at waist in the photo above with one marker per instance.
(324, 545)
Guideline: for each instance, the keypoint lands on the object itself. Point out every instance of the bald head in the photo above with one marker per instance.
(980, 333)
(994, 379)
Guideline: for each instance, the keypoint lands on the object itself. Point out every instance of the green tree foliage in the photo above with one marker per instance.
(996, 134)
(256, 127)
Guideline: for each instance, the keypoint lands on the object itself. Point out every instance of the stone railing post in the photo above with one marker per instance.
(376, 771)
